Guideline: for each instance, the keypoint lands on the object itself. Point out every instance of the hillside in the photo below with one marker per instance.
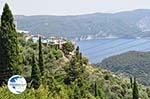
(131, 64)
(110, 86)
(89, 82)
(128, 24)
(55, 71)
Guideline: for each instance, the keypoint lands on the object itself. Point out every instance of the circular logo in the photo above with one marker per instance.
(17, 84)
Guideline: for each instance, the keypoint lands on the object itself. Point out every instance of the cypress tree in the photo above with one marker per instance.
(95, 89)
(135, 90)
(81, 61)
(77, 53)
(35, 74)
(131, 82)
(80, 56)
(41, 65)
(77, 49)
(99, 91)
(9, 49)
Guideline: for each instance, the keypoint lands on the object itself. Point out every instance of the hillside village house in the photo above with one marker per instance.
(58, 41)
(50, 41)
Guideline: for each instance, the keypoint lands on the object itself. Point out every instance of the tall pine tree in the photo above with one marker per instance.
(8, 45)
(35, 74)
(41, 64)
(135, 90)
(95, 89)
(131, 82)
(77, 53)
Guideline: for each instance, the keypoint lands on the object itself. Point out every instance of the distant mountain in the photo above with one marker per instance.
(131, 64)
(129, 24)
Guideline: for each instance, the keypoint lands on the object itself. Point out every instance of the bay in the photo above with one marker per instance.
(97, 50)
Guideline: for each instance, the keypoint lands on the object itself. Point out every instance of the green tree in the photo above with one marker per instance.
(41, 63)
(9, 49)
(67, 47)
(77, 53)
(77, 93)
(72, 71)
(131, 82)
(35, 74)
(95, 89)
(98, 91)
(76, 70)
(135, 90)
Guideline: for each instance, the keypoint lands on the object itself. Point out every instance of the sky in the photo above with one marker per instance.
(72, 7)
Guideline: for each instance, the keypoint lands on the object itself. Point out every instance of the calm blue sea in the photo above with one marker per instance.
(97, 50)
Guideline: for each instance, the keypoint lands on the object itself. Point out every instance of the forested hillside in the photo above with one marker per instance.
(128, 24)
(131, 63)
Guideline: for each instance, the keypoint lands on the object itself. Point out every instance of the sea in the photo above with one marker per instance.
(97, 50)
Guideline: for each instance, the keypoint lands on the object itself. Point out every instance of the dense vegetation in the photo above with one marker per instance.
(128, 24)
(9, 53)
(51, 74)
(131, 64)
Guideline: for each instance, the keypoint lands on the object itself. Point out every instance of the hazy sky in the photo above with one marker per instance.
(72, 7)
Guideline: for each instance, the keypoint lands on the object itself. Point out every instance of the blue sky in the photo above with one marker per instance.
(72, 7)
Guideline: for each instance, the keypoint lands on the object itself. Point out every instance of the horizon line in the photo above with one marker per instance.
(80, 14)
